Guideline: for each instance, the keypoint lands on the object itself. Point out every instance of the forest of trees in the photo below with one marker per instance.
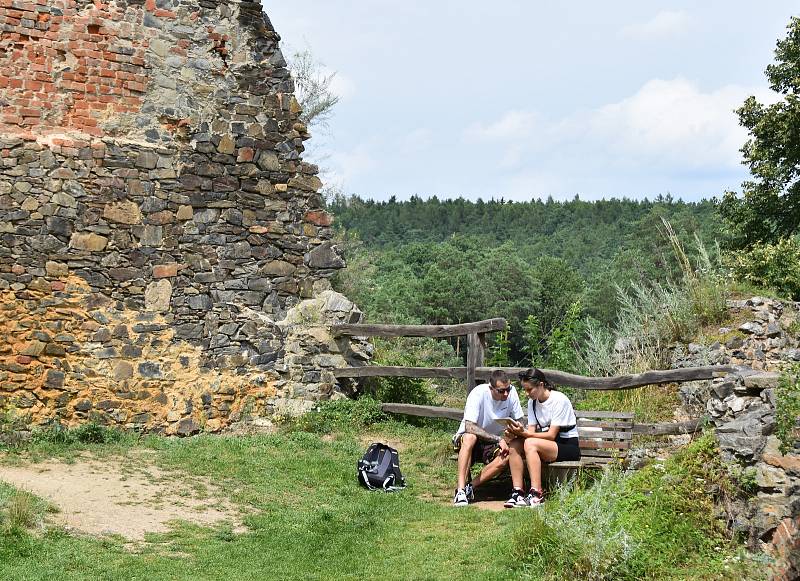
(542, 265)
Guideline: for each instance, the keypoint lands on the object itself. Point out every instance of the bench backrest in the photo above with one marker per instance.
(604, 436)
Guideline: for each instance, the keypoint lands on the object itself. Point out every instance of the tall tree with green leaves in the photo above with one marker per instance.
(769, 207)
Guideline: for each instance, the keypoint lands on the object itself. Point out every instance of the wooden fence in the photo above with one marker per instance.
(475, 370)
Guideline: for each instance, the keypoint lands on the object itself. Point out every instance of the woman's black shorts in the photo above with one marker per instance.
(568, 450)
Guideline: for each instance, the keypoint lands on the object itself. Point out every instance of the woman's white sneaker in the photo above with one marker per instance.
(535, 498)
(517, 499)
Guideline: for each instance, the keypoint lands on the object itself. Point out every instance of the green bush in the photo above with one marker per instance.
(403, 390)
(652, 317)
(341, 415)
(19, 511)
(579, 535)
(90, 433)
(409, 352)
(650, 524)
(773, 266)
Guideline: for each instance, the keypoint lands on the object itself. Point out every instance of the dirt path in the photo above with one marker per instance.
(103, 497)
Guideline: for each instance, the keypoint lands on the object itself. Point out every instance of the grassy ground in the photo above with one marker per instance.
(308, 519)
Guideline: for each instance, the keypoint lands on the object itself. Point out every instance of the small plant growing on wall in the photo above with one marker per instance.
(788, 408)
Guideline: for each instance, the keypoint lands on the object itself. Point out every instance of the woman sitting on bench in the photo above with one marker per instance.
(551, 436)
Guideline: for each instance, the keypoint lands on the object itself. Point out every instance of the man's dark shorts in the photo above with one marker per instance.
(483, 451)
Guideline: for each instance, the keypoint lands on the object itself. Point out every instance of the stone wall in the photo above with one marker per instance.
(156, 219)
(741, 408)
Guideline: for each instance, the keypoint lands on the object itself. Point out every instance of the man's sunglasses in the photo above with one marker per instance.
(502, 389)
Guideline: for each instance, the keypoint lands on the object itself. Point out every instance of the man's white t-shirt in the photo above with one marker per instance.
(556, 410)
(482, 409)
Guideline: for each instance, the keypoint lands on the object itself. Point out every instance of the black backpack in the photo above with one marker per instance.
(379, 469)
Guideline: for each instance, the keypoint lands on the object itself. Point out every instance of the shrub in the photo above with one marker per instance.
(579, 535)
(774, 266)
(409, 352)
(21, 511)
(651, 318)
(649, 524)
(90, 433)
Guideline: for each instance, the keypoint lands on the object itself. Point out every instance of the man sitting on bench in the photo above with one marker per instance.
(480, 437)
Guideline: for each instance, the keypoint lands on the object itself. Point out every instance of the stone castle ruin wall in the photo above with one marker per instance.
(158, 227)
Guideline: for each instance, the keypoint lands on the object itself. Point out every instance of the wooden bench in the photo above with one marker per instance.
(604, 437)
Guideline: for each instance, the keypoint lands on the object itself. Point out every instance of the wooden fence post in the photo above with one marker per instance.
(476, 343)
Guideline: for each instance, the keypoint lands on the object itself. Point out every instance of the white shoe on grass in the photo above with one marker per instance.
(460, 499)
(470, 492)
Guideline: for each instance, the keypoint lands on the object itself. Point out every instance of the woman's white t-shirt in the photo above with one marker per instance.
(482, 409)
(556, 410)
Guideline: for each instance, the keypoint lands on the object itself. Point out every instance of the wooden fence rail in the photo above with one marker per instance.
(366, 330)
(557, 377)
(476, 346)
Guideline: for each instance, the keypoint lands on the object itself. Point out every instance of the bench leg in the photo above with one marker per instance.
(552, 476)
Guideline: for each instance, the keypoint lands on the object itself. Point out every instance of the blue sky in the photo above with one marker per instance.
(523, 100)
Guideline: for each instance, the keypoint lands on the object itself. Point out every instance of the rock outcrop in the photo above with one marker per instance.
(742, 408)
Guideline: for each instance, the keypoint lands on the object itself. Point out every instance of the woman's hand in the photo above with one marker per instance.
(515, 429)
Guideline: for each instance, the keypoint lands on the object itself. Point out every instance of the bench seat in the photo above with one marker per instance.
(604, 437)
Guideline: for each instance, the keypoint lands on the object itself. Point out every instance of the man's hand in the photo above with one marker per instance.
(503, 448)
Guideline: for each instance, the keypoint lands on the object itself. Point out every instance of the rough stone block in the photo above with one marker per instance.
(123, 370)
(157, 296)
(88, 241)
(127, 212)
(165, 270)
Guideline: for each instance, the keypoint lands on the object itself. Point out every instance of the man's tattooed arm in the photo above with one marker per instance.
(473, 428)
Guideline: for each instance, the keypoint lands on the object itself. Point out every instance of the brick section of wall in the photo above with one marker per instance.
(69, 65)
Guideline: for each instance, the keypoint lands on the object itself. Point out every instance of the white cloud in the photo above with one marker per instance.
(344, 166)
(665, 24)
(513, 125)
(670, 122)
(666, 132)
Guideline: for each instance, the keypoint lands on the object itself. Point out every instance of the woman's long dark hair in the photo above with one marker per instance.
(536, 375)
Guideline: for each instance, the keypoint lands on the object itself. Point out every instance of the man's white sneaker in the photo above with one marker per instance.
(517, 499)
(470, 492)
(460, 499)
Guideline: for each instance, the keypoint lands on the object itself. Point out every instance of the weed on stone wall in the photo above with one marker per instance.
(91, 433)
(14, 429)
(344, 415)
(787, 408)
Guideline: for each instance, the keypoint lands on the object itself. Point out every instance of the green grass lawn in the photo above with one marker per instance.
(307, 518)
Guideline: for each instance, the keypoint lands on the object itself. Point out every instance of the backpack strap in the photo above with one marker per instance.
(362, 475)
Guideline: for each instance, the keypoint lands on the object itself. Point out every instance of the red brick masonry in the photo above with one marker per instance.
(68, 65)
